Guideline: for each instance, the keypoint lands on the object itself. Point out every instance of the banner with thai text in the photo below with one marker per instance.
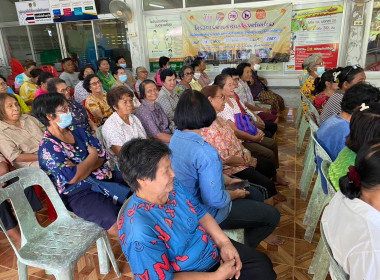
(232, 35)
(33, 12)
(315, 30)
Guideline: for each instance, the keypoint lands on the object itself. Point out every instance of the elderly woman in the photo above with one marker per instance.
(4, 90)
(121, 77)
(168, 97)
(42, 83)
(96, 102)
(142, 75)
(351, 221)
(259, 87)
(348, 77)
(122, 125)
(86, 187)
(203, 78)
(153, 118)
(78, 112)
(20, 135)
(313, 67)
(29, 88)
(364, 126)
(177, 225)
(186, 74)
(104, 74)
(80, 94)
(199, 168)
(164, 63)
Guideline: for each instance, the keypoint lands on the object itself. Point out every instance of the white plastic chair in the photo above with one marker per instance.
(58, 247)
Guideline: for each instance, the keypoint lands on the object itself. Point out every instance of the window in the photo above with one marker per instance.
(17, 43)
(373, 49)
(150, 5)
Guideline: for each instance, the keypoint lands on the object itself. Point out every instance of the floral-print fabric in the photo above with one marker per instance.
(80, 117)
(221, 136)
(94, 104)
(53, 153)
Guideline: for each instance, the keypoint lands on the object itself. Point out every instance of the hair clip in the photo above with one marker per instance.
(335, 75)
(363, 107)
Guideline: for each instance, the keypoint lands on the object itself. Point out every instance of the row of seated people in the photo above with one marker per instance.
(350, 133)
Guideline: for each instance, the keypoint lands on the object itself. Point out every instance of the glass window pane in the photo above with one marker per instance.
(46, 44)
(197, 3)
(8, 11)
(373, 50)
(112, 41)
(79, 42)
(17, 43)
(150, 5)
(102, 6)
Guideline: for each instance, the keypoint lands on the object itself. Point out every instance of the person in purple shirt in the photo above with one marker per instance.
(165, 233)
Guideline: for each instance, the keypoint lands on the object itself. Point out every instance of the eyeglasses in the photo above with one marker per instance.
(99, 82)
(356, 66)
(188, 74)
(221, 97)
(3, 84)
(64, 90)
(145, 72)
(64, 110)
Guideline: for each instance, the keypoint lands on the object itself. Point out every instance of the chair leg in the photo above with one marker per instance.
(22, 271)
(301, 134)
(321, 249)
(66, 274)
(322, 268)
(104, 264)
(110, 254)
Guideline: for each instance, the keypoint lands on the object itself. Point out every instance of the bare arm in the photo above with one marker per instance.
(26, 158)
(93, 126)
(246, 136)
(116, 149)
(163, 137)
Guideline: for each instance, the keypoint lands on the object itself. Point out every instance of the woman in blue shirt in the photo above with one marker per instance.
(199, 169)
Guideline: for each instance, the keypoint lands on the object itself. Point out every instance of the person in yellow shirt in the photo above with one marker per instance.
(195, 85)
(29, 88)
(4, 89)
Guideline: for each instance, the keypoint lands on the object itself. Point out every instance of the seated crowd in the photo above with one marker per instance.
(193, 156)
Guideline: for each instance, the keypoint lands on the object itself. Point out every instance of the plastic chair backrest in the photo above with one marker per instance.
(337, 270)
(313, 110)
(50, 69)
(16, 67)
(27, 177)
(123, 207)
(325, 173)
(313, 126)
(321, 155)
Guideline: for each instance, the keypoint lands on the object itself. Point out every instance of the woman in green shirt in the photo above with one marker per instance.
(105, 74)
(364, 126)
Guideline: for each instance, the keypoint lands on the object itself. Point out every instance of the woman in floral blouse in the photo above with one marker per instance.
(86, 188)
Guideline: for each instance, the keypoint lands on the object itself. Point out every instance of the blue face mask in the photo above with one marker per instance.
(168, 67)
(123, 65)
(66, 120)
(123, 78)
(320, 70)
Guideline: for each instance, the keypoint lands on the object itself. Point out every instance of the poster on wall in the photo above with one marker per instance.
(33, 12)
(164, 36)
(73, 10)
(232, 35)
(315, 30)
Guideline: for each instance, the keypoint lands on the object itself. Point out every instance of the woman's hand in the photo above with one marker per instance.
(246, 156)
(238, 193)
(253, 162)
(92, 150)
(226, 270)
(228, 252)
(69, 163)
(259, 136)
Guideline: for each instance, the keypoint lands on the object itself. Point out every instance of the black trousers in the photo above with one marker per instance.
(270, 129)
(256, 265)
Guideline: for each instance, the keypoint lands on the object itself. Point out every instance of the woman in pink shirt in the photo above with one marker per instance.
(42, 83)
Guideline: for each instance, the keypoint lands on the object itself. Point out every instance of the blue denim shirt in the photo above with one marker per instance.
(198, 167)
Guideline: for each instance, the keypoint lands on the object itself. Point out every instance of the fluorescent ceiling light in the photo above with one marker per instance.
(157, 6)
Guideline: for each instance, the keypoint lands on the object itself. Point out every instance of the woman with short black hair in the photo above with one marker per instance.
(42, 82)
(104, 74)
(164, 63)
(80, 93)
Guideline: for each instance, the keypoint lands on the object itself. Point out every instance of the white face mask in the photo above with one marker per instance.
(197, 75)
(256, 67)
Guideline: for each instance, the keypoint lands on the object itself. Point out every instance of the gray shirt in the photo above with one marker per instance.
(71, 79)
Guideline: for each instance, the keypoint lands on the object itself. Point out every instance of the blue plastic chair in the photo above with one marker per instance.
(59, 246)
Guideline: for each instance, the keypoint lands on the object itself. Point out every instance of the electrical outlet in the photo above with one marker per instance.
(358, 22)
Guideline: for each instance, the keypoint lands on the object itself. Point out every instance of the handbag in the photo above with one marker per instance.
(243, 123)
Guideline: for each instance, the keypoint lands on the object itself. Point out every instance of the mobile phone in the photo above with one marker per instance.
(238, 185)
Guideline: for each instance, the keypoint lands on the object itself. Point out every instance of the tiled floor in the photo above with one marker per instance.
(291, 260)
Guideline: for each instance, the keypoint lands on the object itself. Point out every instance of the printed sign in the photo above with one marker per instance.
(229, 36)
(73, 10)
(33, 12)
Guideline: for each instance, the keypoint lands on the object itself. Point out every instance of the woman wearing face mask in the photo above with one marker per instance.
(121, 62)
(195, 85)
(259, 87)
(121, 80)
(78, 185)
(20, 135)
(325, 86)
(314, 67)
